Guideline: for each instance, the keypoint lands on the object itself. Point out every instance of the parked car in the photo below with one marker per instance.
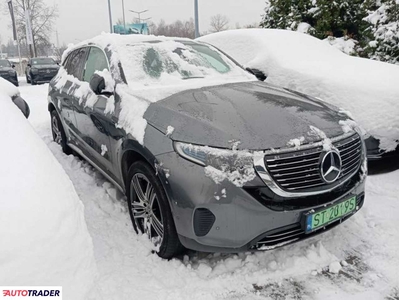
(12, 93)
(209, 158)
(7, 71)
(41, 70)
(296, 61)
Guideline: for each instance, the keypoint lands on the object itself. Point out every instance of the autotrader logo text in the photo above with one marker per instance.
(13, 292)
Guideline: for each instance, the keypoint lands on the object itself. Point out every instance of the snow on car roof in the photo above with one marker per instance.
(8, 89)
(368, 89)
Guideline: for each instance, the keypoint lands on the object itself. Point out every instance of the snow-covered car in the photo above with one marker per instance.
(43, 234)
(11, 93)
(208, 157)
(41, 70)
(7, 71)
(367, 89)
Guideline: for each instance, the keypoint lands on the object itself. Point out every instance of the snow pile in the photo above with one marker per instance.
(343, 44)
(156, 70)
(366, 88)
(7, 88)
(44, 238)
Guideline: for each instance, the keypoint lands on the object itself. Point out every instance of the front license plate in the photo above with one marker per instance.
(324, 217)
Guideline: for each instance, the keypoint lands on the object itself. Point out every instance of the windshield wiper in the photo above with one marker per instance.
(192, 77)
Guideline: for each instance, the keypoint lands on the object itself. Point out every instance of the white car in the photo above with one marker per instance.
(368, 89)
(9, 91)
(43, 234)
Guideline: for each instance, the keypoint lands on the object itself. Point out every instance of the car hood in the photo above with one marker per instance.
(6, 69)
(258, 115)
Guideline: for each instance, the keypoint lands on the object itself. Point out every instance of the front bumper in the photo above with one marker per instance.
(12, 79)
(43, 77)
(242, 220)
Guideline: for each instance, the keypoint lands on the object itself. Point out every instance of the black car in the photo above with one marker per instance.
(7, 71)
(41, 70)
(205, 154)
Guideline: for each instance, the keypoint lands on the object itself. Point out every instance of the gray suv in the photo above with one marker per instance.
(209, 158)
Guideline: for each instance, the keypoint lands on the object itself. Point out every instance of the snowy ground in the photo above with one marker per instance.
(358, 260)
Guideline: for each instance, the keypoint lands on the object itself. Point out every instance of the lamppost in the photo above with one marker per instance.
(139, 14)
(197, 34)
(110, 16)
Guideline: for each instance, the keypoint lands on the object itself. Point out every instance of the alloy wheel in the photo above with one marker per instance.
(146, 209)
(56, 131)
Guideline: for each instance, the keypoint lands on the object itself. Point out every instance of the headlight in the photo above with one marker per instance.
(208, 156)
(11, 72)
(34, 70)
(237, 166)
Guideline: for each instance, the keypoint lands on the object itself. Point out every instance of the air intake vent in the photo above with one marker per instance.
(203, 221)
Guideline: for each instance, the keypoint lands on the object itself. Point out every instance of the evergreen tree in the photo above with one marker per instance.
(342, 19)
(383, 18)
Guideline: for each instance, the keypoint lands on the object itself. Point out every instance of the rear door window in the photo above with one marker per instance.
(96, 61)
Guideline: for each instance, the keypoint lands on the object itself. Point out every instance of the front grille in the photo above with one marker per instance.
(300, 170)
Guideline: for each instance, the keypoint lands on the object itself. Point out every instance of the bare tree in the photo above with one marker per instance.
(177, 29)
(60, 51)
(42, 18)
(219, 23)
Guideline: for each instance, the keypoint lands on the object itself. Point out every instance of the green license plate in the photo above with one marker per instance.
(326, 216)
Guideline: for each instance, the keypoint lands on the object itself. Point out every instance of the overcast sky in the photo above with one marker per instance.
(81, 19)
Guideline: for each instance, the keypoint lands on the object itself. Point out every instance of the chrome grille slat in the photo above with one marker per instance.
(299, 170)
(344, 144)
(356, 150)
(350, 148)
(296, 178)
(296, 162)
(295, 156)
(298, 167)
(301, 182)
(295, 173)
(306, 186)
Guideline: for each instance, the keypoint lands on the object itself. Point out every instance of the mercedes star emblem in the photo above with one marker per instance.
(331, 166)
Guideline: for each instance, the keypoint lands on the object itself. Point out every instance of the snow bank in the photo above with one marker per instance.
(143, 88)
(7, 88)
(43, 234)
(368, 89)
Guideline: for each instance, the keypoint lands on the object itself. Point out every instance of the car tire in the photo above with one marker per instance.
(27, 79)
(58, 132)
(150, 213)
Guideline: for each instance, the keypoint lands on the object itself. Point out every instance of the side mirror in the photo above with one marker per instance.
(97, 84)
(29, 65)
(258, 73)
(22, 105)
(13, 66)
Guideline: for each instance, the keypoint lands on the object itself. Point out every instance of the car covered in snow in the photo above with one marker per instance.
(11, 93)
(7, 71)
(44, 238)
(367, 90)
(209, 157)
(41, 70)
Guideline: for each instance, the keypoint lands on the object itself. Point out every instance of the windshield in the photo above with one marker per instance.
(4, 63)
(43, 61)
(171, 63)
